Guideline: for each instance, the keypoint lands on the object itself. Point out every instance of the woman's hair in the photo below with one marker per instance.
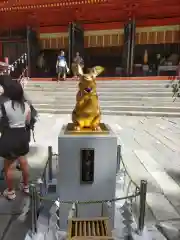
(5, 80)
(14, 91)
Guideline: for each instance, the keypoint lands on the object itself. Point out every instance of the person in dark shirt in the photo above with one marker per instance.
(157, 63)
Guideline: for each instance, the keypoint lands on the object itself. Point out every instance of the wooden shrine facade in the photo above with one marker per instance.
(157, 21)
(110, 38)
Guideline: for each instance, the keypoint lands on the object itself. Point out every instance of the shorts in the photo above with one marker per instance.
(61, 70)
(14, 142)
(75, 69)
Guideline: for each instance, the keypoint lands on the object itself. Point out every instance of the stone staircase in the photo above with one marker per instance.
(128, 97)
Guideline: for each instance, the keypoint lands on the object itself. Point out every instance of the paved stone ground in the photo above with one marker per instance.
(150, 150)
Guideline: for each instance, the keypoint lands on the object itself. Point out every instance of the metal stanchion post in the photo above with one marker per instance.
(142, 207)
(39, 194)
(33, 208)
(41, 188)
(45, 179)
(102, 209)
(118, 158)
(76, 209)
(50, 162)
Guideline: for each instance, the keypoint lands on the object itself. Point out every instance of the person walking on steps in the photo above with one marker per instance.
(78, 60)
(14, 140)
(61, 67)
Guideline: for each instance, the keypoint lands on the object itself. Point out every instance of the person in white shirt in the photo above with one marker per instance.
(61, 66)
(14, 140)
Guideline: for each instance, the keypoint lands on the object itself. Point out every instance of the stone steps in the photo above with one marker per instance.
(104, 82)
(117, 108)
(119, 113)
(99, 86)
(71, 98)
(66, 94)
(71, 103)
(122, 86)
(132, 97)
(101, 90)
(102, 99)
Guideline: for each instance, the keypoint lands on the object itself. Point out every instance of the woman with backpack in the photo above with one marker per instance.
(7, 82)
(14, 141)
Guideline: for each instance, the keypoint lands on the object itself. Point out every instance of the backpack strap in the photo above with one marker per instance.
(4, 121)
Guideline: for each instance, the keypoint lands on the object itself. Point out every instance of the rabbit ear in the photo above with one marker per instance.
(79, 70)
(95, 71)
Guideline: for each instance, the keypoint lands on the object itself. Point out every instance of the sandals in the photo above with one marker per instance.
(10, 195)
(24, 188)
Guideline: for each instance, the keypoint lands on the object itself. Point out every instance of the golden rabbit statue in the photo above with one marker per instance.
(86, 113)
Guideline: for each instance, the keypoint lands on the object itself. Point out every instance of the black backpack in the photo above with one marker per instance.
(34, 115)
(4, 121)
(30, 126)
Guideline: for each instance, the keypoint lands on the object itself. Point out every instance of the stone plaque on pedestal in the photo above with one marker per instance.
(86, 172)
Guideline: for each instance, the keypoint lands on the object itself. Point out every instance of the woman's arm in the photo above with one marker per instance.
(75, 60)
(28, 117)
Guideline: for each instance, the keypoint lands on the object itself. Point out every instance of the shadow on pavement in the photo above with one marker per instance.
(175, 175)
(170, 229)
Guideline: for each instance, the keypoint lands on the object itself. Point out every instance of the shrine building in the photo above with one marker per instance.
(38, 27)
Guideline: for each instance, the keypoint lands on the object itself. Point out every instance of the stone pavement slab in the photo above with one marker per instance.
(154, 141)
(171, 229)
(162, 210)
